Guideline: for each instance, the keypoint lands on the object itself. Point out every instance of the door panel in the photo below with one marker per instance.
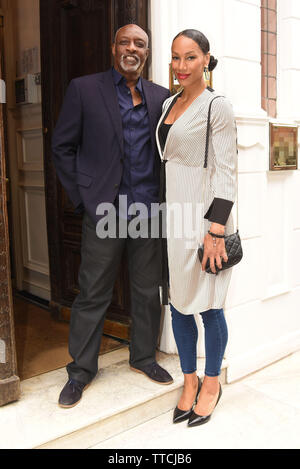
(29, 196)
(9, 381)
(25, 165)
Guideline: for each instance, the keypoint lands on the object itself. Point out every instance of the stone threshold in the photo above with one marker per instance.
(117, 400)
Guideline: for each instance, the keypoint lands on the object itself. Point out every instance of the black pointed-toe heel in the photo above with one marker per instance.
(196, 419)
(181, 415)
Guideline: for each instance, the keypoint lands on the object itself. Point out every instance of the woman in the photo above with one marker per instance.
(181, 137)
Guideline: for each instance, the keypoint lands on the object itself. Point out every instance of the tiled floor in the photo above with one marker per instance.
(262, 411)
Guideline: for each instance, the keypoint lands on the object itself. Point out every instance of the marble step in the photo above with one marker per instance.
(117, 400)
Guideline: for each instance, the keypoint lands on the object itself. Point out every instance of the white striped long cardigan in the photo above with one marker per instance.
(192, 191)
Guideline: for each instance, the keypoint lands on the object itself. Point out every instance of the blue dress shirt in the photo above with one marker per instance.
(139, 182)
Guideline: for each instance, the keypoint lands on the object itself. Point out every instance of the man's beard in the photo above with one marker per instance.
(134, 67)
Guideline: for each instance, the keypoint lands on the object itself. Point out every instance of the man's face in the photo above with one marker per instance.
(130, 50)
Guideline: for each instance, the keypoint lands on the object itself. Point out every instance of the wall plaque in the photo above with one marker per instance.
(283, 147)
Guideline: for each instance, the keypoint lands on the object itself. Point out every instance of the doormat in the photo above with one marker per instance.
(42, 342)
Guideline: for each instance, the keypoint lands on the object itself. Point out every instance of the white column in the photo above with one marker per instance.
(288, 59)
(233, 30)
(264, 293)
(163, 29)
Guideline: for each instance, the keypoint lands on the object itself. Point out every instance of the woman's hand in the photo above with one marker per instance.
(214, 248)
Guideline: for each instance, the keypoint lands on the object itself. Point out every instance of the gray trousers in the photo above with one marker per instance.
(100, 261)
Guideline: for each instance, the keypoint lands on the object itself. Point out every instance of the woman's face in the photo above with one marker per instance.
(188, 61)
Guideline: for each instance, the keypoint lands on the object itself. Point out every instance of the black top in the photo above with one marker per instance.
(164, 130)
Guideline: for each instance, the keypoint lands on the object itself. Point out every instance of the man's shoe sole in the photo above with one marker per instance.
(154, 381)
(73, 405)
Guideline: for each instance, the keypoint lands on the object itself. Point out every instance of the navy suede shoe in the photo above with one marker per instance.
(155, 372)
(71, 393)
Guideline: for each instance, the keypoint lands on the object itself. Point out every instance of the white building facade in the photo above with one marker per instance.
(263, 302)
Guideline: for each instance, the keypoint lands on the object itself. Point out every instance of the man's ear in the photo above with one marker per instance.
(113, 50)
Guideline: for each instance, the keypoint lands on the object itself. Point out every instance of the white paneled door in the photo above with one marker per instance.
(27, 212)
(29, 193)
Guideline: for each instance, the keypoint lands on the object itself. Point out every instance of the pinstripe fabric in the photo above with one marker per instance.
(191, 290)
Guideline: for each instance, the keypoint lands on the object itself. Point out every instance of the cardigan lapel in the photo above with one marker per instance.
(167, 107)
(108, 91)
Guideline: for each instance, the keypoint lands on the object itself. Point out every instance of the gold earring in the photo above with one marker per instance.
(206, 73)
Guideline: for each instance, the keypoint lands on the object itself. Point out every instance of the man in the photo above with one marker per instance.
(104, 149)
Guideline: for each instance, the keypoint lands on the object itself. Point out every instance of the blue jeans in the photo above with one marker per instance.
(186, 336)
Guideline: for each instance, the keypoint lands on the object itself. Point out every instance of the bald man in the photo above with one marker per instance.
(105, 155)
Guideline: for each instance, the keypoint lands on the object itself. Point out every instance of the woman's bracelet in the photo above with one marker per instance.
(216, 235)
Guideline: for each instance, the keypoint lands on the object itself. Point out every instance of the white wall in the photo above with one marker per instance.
(263, 302)
(289, 59)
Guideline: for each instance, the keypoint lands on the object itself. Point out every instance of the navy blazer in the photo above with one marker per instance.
(87, 141)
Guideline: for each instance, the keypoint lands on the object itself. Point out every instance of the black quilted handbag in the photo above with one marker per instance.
(234, 251)
(233, 242)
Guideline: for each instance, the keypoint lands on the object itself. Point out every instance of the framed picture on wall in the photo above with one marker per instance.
(283, 147)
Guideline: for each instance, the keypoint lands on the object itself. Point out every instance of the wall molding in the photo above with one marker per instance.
(260, 357)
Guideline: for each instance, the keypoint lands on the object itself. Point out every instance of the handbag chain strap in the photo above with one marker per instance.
(206, 155)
